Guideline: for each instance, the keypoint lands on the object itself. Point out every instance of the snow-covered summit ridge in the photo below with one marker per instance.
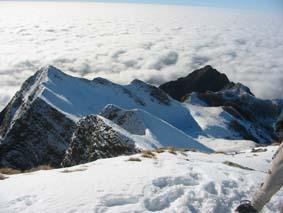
(150, 131)
(80, 97)
(37, 125)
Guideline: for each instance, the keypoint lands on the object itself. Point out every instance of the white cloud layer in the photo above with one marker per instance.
(151, 42)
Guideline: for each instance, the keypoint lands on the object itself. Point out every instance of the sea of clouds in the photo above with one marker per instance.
(153, 43)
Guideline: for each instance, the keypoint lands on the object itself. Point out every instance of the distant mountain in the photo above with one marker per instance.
(201, 80)
(252, 118)
(231, 109)
(61, 120)
(37, 125)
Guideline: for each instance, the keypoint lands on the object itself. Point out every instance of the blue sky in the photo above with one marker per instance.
(242, 4)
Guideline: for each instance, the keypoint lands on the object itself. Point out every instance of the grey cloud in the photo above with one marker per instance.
(117, 53)
(166, 59)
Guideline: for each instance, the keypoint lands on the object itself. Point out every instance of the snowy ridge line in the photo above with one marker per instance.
(51, 103)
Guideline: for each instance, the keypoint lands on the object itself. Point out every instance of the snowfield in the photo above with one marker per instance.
(181, 182)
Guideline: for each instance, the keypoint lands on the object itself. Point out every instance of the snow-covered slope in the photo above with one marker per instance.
(181, 183)
(235, 113)
(37, 124)
(80, 97)
(214, 121)
(130, 131)
(148, 131)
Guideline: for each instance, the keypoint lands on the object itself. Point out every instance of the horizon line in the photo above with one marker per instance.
(260, 9)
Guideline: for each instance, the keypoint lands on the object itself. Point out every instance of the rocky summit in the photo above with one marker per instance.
(201, 80)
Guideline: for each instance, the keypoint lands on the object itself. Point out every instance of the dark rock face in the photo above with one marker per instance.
(94, 139)
(40, 136)
(33, 132)
(279, 126)
(254, 118)
(16, 103)
(202, 80)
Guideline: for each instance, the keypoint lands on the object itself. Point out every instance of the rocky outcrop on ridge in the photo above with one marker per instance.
(94, 139)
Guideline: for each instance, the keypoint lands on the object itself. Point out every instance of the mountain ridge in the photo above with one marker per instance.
(38, 124)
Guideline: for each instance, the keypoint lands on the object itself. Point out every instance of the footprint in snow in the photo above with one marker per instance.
(23, 202)
(162, 192)
(111, 201)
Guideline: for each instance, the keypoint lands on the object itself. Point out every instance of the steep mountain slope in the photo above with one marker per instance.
(250, 117)
(39, 136)
(153, 131)
(32, 131)
(201, 80)
(214, 121)
(94, 139)
(224, 109)
(80, 97)
(97, 137)
(38, 122)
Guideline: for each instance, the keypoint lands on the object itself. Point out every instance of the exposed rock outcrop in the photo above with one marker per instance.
(39, 136)
(202, 80)
(33, 132)
(94, 139)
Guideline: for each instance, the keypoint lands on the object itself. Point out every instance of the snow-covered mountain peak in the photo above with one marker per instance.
(43, 115)
(51, 70)
(50, 103)
(47, 73)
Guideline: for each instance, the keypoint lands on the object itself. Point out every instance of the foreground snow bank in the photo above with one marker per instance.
(181, 182)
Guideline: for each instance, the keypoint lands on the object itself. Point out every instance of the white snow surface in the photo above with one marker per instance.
(225, 145)
(213, 121)
(150, 132)
(182, 183)
(78, 97)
